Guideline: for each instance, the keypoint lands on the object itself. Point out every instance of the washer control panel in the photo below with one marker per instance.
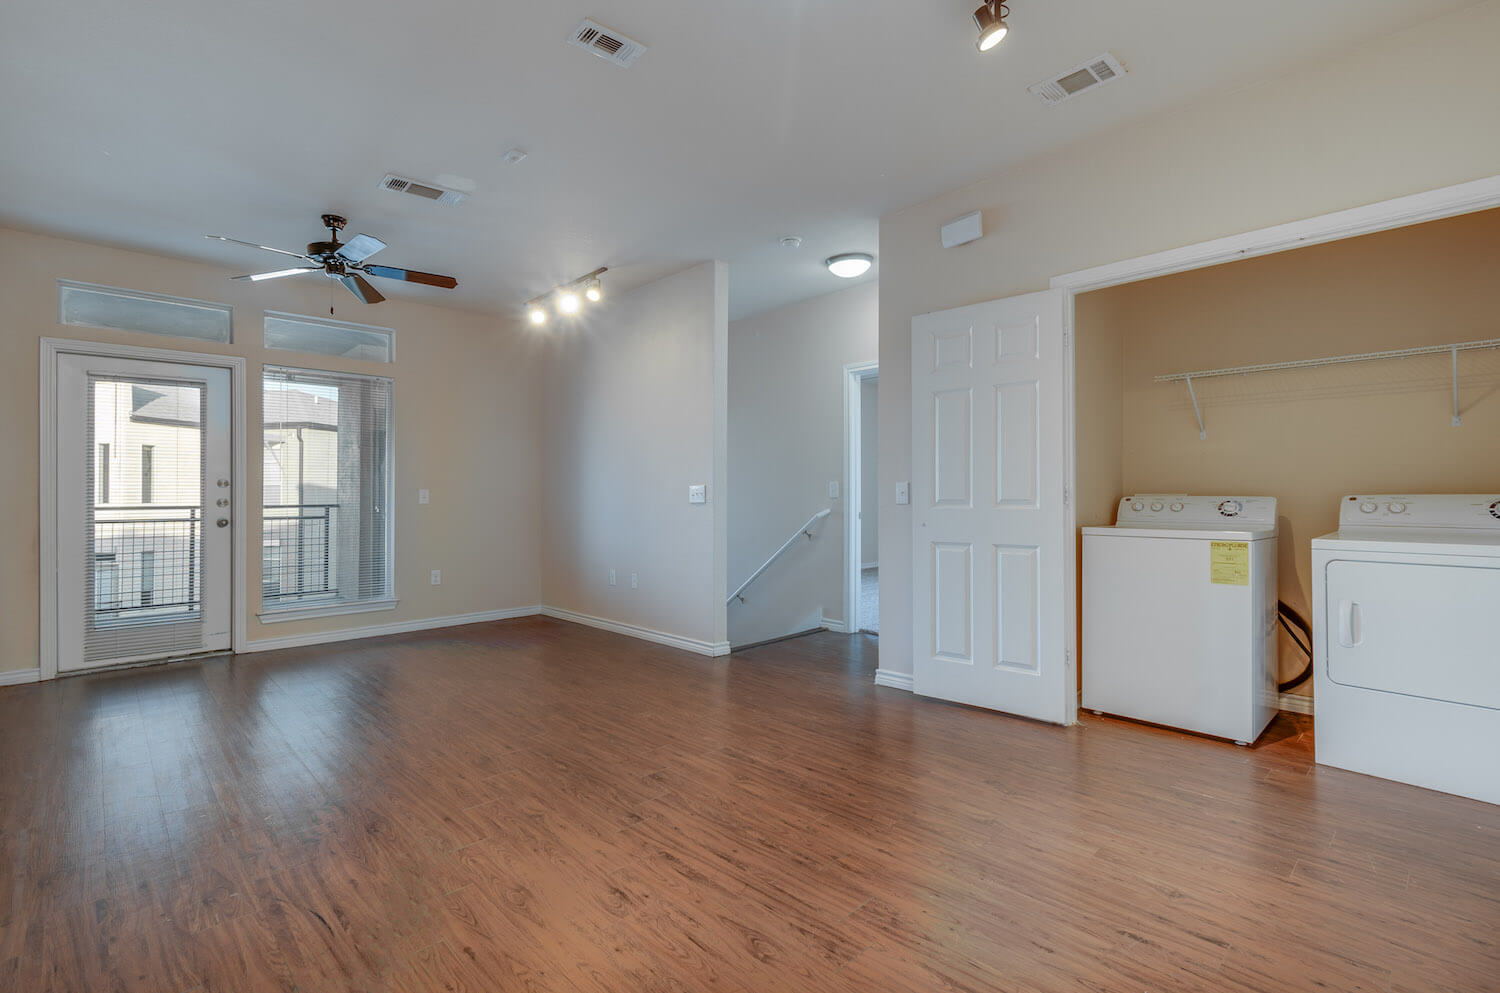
(1183, 510)
(1471, 512)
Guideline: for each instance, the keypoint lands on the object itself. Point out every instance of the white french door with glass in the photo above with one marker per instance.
(990, 528)
(144, 505)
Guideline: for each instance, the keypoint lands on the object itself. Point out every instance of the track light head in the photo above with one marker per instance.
(537, 314)
(568, 302)
(990, 19)
(594, 290)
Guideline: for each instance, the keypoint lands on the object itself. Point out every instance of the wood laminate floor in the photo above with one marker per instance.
(531, 805)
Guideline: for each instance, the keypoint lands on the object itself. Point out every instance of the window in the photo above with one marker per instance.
(86, 305)
(326, 539)
(102, 473)
(148, 472)
(320, 336)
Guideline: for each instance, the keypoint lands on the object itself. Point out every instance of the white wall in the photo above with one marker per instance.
(869, 465)
(634, 412)
(1411, 112)
(786, 444)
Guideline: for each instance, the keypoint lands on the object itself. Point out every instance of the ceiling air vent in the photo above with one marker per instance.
(606, 43)
(1094, 72)
(427, 191)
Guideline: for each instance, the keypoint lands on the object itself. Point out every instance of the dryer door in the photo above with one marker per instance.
(1420, 629)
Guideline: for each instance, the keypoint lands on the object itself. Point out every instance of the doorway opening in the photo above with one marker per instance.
(861, 445)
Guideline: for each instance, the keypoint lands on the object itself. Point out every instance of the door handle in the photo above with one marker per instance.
(1350, 635)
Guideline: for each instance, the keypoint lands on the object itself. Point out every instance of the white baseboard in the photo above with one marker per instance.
(19, 676)
(1295, 703)
(834, 624)
(711, 649)
(378, 630)
(895, 680)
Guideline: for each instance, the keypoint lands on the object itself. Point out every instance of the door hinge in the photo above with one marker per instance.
(1067, 339)
(1067, 497)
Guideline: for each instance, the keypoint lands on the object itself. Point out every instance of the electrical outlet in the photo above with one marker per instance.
(423, 496)
(611, 577)
(698, 493)
(903, 494)
(437, 577)
(635, 581)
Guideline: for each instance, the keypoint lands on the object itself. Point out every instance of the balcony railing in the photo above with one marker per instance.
(146, 561)
(297, 560)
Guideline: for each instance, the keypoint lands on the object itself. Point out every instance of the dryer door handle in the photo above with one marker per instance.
(1350, 634)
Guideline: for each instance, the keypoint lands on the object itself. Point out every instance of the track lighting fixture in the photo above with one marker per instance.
(566, 298)
(990, 19)
(850, 264)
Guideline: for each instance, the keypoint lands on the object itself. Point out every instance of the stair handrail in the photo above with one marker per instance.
(805, 529)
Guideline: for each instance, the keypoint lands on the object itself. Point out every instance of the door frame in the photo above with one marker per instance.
(1384, 215)
(51, 349)
(855, 373)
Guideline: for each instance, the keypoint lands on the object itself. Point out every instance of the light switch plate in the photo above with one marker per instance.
(833, 490)
(437, 577)
(903, 494)
(423, 496)
(635, 581)
(611, 577)
(698, 493)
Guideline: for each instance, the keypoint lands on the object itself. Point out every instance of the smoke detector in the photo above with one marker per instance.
(1095, 72)
(427, 191)
(606, 43)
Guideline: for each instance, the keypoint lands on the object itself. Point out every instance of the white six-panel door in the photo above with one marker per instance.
(989, 466)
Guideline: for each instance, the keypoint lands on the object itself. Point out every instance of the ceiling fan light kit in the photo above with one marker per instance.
(344, 261)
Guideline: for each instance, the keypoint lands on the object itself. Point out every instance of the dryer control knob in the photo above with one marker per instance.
(1495, 510)
(1138, 506)
(1396, 507)
(1369, 507)
(1156, 506)
(1230, 508)
(1177, 505)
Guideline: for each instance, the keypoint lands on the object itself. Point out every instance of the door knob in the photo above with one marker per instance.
(222, 522)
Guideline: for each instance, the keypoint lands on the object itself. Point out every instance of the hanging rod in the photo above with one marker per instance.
(1400, 353)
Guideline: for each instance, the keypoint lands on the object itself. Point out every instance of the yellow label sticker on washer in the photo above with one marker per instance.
(1229, 563)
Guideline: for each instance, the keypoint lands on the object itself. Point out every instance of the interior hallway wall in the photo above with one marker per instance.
(634, 412)
(1310, 437)
(466, 428)
(1411, 112)
(786, 444)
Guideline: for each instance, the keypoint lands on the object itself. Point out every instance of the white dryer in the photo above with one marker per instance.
(1406, 630)
(1179, 612)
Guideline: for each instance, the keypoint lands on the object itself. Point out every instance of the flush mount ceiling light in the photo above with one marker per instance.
(567, 298)
(850, 264)
(990, 19)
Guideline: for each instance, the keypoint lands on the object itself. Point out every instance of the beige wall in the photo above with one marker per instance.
(466, 428)
(635, 412)
(1411, 112)
(786, 444)
(1308, 437)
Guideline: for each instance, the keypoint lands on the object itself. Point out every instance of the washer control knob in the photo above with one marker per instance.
(1156, 506)
(1495, 510)
(1396, 507)
(1369, 507)
(1137, 506)
(1230, 508)
(1177, 505)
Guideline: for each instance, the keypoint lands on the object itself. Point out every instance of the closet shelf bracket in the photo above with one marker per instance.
(1458, 420)
(1197, 411)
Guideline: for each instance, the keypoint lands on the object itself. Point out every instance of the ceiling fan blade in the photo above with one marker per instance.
(361, 288)
(258, 276)
(251, 244)
(412, 276)
(360, 247)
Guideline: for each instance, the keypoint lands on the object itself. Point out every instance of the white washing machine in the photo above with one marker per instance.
(1406, 631)
(1179, 614)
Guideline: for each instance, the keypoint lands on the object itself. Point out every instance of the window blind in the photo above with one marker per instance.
(326, 533)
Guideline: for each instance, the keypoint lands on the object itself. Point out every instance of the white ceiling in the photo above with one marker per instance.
(149, 124)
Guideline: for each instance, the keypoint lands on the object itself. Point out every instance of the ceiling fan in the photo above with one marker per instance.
(343, 261)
